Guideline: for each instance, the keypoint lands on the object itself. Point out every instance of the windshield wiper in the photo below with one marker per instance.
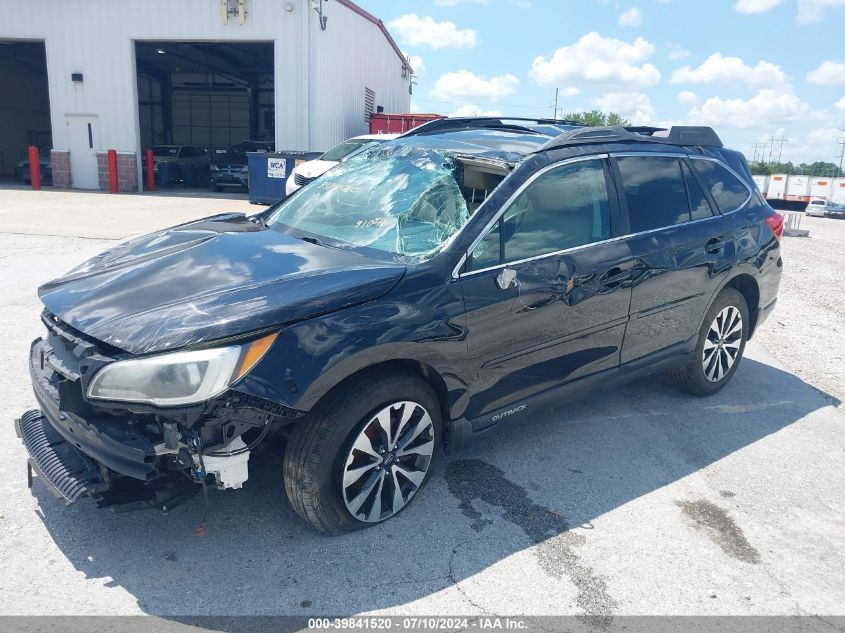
(315, 241)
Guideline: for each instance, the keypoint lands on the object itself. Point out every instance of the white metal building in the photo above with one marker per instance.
(85, 76)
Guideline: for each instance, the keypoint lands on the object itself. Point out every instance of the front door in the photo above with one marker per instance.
(545, 289)
(84, 141)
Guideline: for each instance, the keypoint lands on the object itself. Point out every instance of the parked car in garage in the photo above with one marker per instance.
(419, 295)
(816, 207)
(305, 172)
(179, 162)
(22, 172)
(232, 171)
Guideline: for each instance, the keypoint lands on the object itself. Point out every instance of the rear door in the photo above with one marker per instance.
(545, 288)
(682, 246)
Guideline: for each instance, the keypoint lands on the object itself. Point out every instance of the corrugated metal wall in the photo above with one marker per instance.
(96, 38)
(350, 56)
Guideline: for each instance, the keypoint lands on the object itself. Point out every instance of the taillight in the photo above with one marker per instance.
(775, 222)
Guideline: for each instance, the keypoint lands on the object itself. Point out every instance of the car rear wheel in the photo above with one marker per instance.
(361, 457)
(721, 343)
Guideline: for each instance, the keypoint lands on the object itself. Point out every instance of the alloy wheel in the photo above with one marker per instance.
(388, 461)
(721, 347)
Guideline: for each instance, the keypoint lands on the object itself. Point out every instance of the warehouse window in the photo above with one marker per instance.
(369, 104)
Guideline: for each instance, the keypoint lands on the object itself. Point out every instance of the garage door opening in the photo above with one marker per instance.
(24, 109)
(202, 105)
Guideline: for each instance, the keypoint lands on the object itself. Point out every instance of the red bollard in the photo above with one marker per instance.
(34, 168)
(112, 171)
(151, 177)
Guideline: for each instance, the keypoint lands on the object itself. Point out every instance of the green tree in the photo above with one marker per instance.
(596, 118)
(819, 168)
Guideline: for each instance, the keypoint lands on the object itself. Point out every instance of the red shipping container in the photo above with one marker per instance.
(384, 123)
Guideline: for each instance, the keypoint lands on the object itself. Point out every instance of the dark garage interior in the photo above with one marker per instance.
(24, 106)
(210, 95)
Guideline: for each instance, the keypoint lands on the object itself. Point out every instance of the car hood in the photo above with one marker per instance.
(314, 168)
(211, 279)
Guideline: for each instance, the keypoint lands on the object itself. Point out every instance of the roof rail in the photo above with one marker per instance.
(682, 135)
(469, 123)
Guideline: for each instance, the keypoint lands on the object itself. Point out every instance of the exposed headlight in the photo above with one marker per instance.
(214, 168)
(178, 378)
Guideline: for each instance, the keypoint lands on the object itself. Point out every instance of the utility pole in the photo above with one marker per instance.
(771, 148)
(781, 141)
(841, 154)
(762, 154)
(554, 116)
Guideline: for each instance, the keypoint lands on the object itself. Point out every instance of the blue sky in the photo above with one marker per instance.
(751, 68)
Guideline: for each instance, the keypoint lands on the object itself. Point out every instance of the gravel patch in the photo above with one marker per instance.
(806, 332)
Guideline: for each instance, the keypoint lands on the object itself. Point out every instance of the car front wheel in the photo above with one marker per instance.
(360, 458)
(721, 343)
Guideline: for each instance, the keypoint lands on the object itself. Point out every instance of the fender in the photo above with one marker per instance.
(756, 253)
(309, 358)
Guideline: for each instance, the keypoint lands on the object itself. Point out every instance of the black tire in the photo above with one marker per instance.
(692, 378)
(319, 444)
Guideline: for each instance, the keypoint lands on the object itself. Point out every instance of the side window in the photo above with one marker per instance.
(727, 190)
(564, 208)
(654, 191)
(699, 207)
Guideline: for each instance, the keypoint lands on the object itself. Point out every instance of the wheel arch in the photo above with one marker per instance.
(747, 286)
(405, 366)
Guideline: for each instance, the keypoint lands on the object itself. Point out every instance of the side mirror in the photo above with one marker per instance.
(506, 278)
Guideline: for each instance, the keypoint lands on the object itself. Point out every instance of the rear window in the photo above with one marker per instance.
(654, 191)
(698, 205)
(727, 190)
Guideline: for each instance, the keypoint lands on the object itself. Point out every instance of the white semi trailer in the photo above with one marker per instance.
(798, 189)
(762, 183)
(777, 187)
(821, 187)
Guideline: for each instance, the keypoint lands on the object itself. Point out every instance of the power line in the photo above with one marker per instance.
(782, 141)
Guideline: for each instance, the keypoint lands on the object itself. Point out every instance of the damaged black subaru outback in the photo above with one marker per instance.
(414, 297)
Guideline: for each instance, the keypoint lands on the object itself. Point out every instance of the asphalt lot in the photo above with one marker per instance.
(639, 500)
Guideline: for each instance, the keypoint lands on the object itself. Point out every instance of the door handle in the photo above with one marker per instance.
(714, 245)
(614, 277)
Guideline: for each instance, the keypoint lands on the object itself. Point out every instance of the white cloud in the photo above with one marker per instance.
(812, 11)
(631, 17)
(474, 110)
(570, 92)
(452, 3)
(427, 31)
(718, 68)
(464, 85)
(634, 106)
(756, 6)
(688, 98)
(840, 105)
(829, 73)
(767, 107)
(598, 60)
(678, 53)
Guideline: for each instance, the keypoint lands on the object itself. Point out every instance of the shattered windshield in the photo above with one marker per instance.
(401, 200)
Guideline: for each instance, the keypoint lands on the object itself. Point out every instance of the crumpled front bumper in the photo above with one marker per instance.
(111, 443)
(67, 471)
